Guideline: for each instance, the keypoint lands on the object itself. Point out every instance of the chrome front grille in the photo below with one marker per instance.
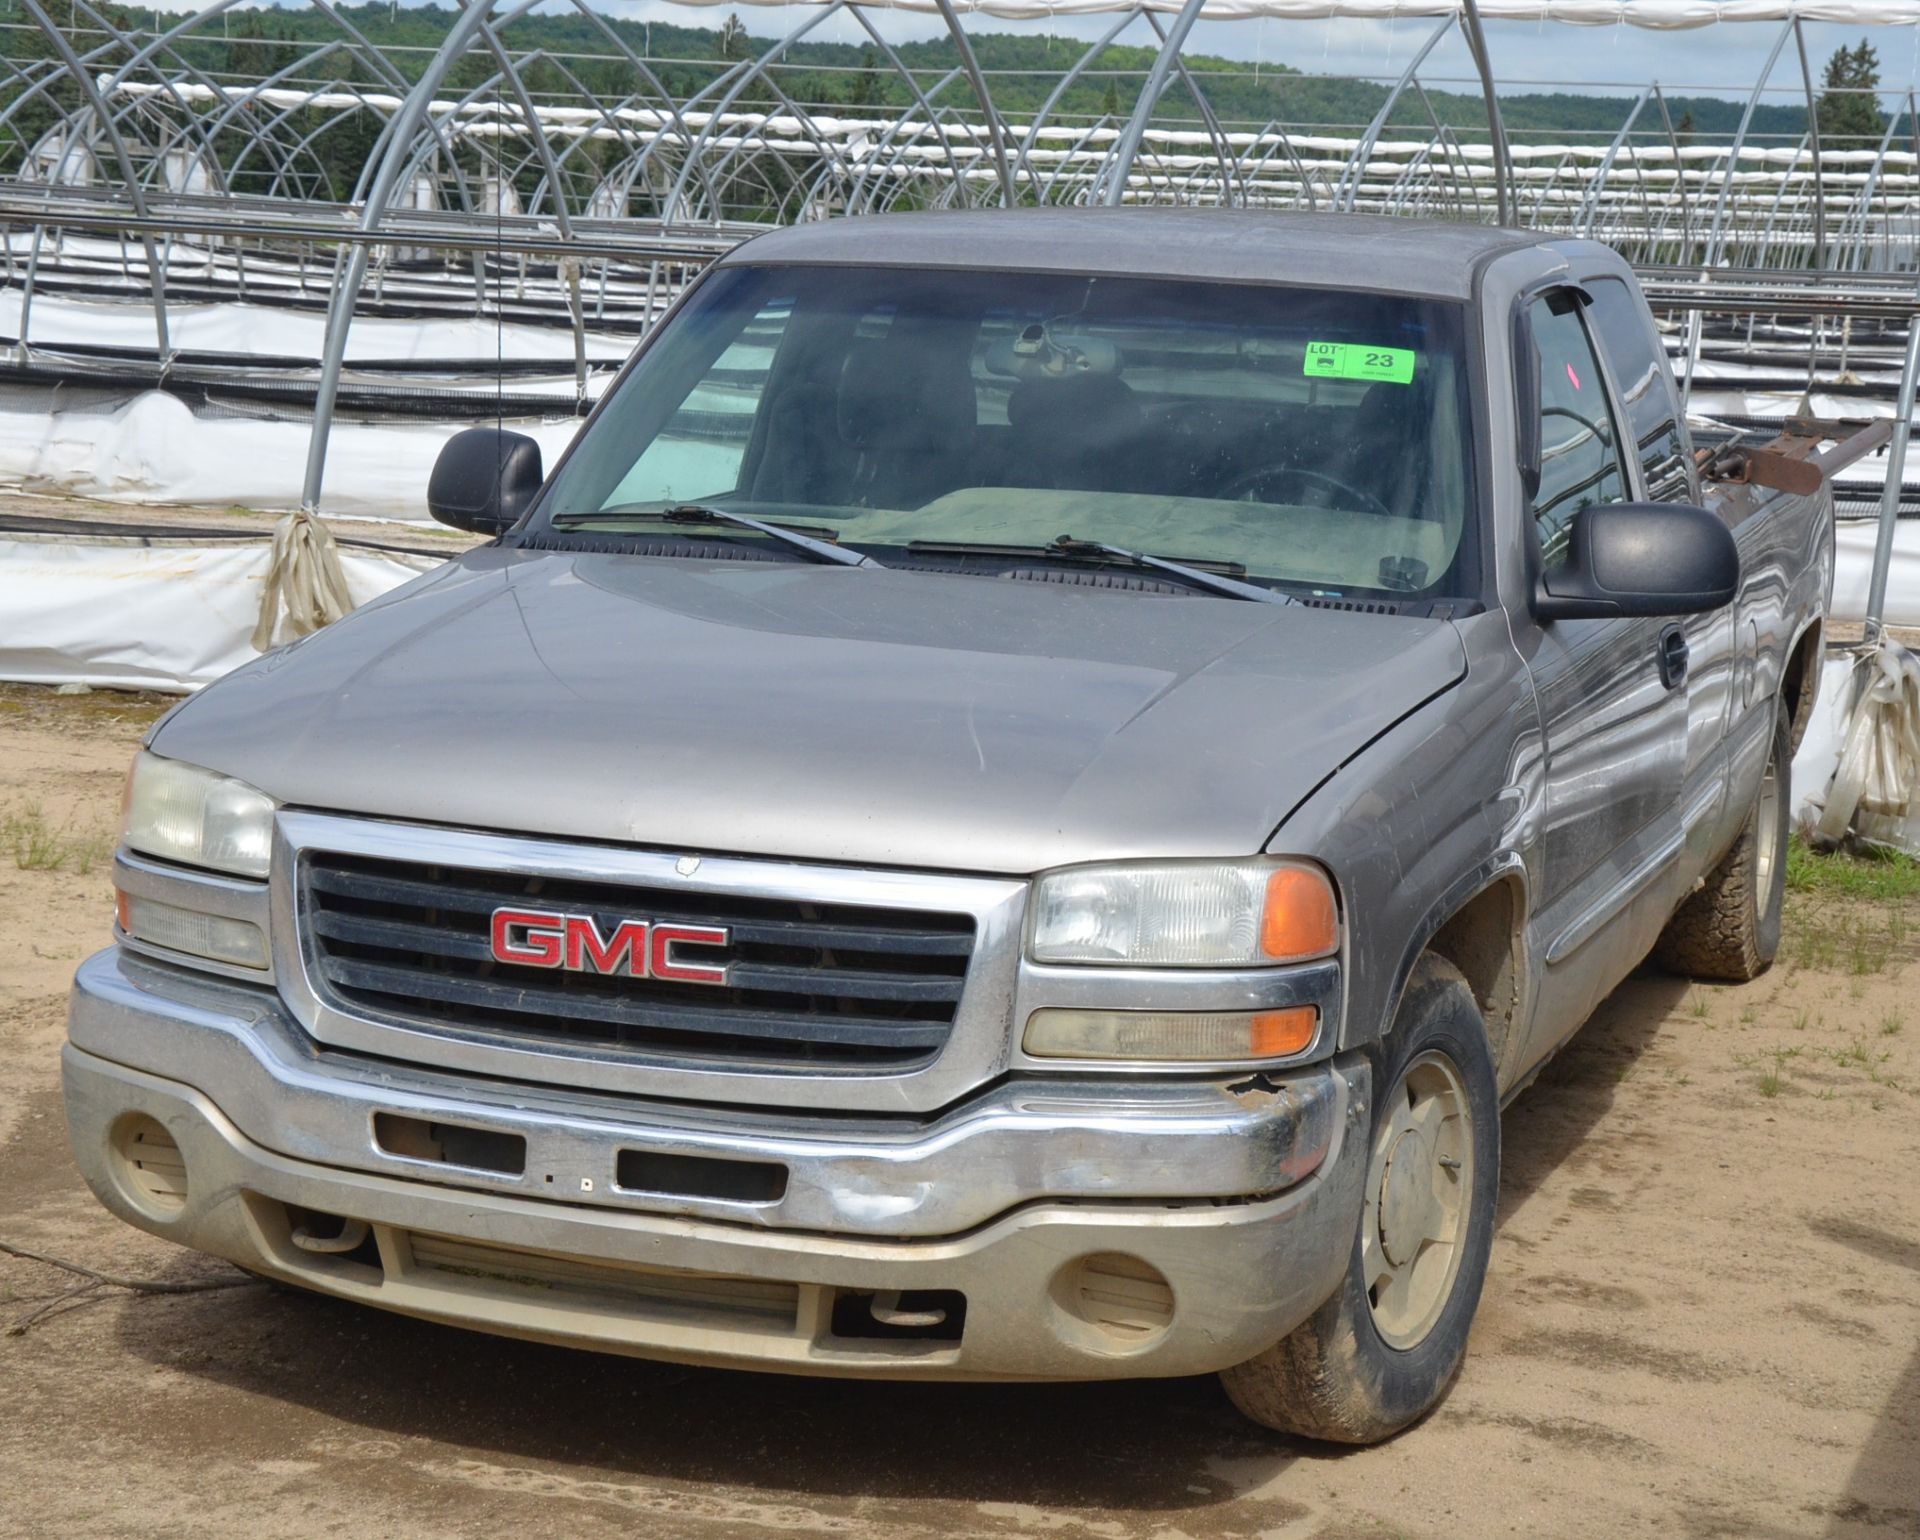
(826, 987)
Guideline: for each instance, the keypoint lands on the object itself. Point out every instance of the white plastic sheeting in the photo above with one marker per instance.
(1853, 570)
(226, 327)
(1819, 749)
(172, 615)
(153, 449)
(1877, 752)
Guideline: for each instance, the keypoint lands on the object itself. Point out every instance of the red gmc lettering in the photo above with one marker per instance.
(538, 938)
(664, 964)
(587, 953)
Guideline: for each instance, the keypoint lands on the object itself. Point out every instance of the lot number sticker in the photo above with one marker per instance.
(1352, 361)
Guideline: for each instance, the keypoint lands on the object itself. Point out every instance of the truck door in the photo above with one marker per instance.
(1660, 456)
(1613, 703)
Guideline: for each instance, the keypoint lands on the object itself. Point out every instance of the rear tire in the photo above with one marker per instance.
(1730, 928)
(1380, 1354)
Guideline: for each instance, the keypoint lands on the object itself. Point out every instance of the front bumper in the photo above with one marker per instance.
(1056, 1230)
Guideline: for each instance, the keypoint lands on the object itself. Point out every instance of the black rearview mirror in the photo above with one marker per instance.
(484, 480)
(1641, 559)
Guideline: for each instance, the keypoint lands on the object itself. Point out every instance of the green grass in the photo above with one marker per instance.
(36, 846)
(1887, 877)
(1847, 914)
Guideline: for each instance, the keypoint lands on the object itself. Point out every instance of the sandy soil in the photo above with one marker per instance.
(1703, 1316)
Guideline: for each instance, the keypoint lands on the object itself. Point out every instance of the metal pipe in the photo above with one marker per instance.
(1714, 237)
(1348, 191)
(561, 216)
(1120, 165)
(1890, 493)
(1221, 152)
(1496, 128)
(746, 71)
(1065, 84)
(135, 194)
(347, 284)
(971, 65)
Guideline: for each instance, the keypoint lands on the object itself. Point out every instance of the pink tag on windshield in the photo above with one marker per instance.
(1574, 377)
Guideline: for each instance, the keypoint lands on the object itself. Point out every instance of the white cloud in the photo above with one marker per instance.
(1722, 60)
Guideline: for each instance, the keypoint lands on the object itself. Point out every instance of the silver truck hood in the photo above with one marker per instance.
(825, 713)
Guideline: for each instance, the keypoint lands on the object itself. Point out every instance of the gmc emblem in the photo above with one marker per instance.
(540, 938)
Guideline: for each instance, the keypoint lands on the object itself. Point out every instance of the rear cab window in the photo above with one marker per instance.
(1656, 423)
(1579, 440)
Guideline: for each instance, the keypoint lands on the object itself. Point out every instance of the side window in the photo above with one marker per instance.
(698, 453)
(1646, 392)
(1579, 453)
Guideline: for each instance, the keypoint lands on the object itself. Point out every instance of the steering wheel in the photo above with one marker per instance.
(1242, 487)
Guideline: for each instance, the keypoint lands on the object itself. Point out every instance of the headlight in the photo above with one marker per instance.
(1186, 914)
(182, 813)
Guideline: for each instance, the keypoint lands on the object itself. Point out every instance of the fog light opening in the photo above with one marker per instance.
(150, 1169)
(1114, 1302)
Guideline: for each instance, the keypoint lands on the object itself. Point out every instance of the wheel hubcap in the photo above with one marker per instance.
(1419, 1197)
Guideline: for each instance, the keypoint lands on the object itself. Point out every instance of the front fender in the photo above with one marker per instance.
(1424, 819)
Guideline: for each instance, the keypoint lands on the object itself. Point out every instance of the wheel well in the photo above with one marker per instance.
(1801, 683)
(1481, 939)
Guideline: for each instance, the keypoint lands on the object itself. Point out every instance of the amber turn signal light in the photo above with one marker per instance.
(1301, 920)
(1277, 1034)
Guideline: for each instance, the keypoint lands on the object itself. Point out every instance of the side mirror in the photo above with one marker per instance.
(1641, 559)
(484, 480)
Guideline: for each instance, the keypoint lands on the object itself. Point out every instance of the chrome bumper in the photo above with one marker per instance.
(1241, 1201)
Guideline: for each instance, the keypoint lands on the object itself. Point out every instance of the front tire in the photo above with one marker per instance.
(1380, 1354)
(1730, 928)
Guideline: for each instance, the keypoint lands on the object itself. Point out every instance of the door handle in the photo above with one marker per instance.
(1673, 657)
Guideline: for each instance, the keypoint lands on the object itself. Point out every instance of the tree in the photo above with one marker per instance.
(254, 53)
(1683, 130)
(1110, 103)
(1848, 111)
(866, 88)
(733, 38)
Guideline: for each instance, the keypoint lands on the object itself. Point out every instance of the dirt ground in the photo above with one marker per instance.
(1703, 1316)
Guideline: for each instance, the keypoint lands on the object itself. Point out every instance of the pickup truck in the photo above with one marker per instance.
(1014, 807)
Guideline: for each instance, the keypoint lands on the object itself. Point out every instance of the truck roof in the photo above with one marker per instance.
(1431, 258)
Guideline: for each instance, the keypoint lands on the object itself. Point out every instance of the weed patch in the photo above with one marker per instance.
(35, 845)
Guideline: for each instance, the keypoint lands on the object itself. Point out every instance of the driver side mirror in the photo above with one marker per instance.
(1641, 559)
(484, 480)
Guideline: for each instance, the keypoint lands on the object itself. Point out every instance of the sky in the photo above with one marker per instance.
(1720, 60)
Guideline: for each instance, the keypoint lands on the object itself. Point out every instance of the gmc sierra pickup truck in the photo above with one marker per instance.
(1013, 808)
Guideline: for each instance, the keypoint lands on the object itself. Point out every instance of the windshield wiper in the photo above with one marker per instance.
(703, 513)
(1098, 550)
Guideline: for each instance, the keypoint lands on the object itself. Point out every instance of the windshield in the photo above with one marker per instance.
(1308, 438)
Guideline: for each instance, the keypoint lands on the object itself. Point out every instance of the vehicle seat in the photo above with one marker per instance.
(802, 459)
(906, 407)
(1079, 433)
(1383, 450)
